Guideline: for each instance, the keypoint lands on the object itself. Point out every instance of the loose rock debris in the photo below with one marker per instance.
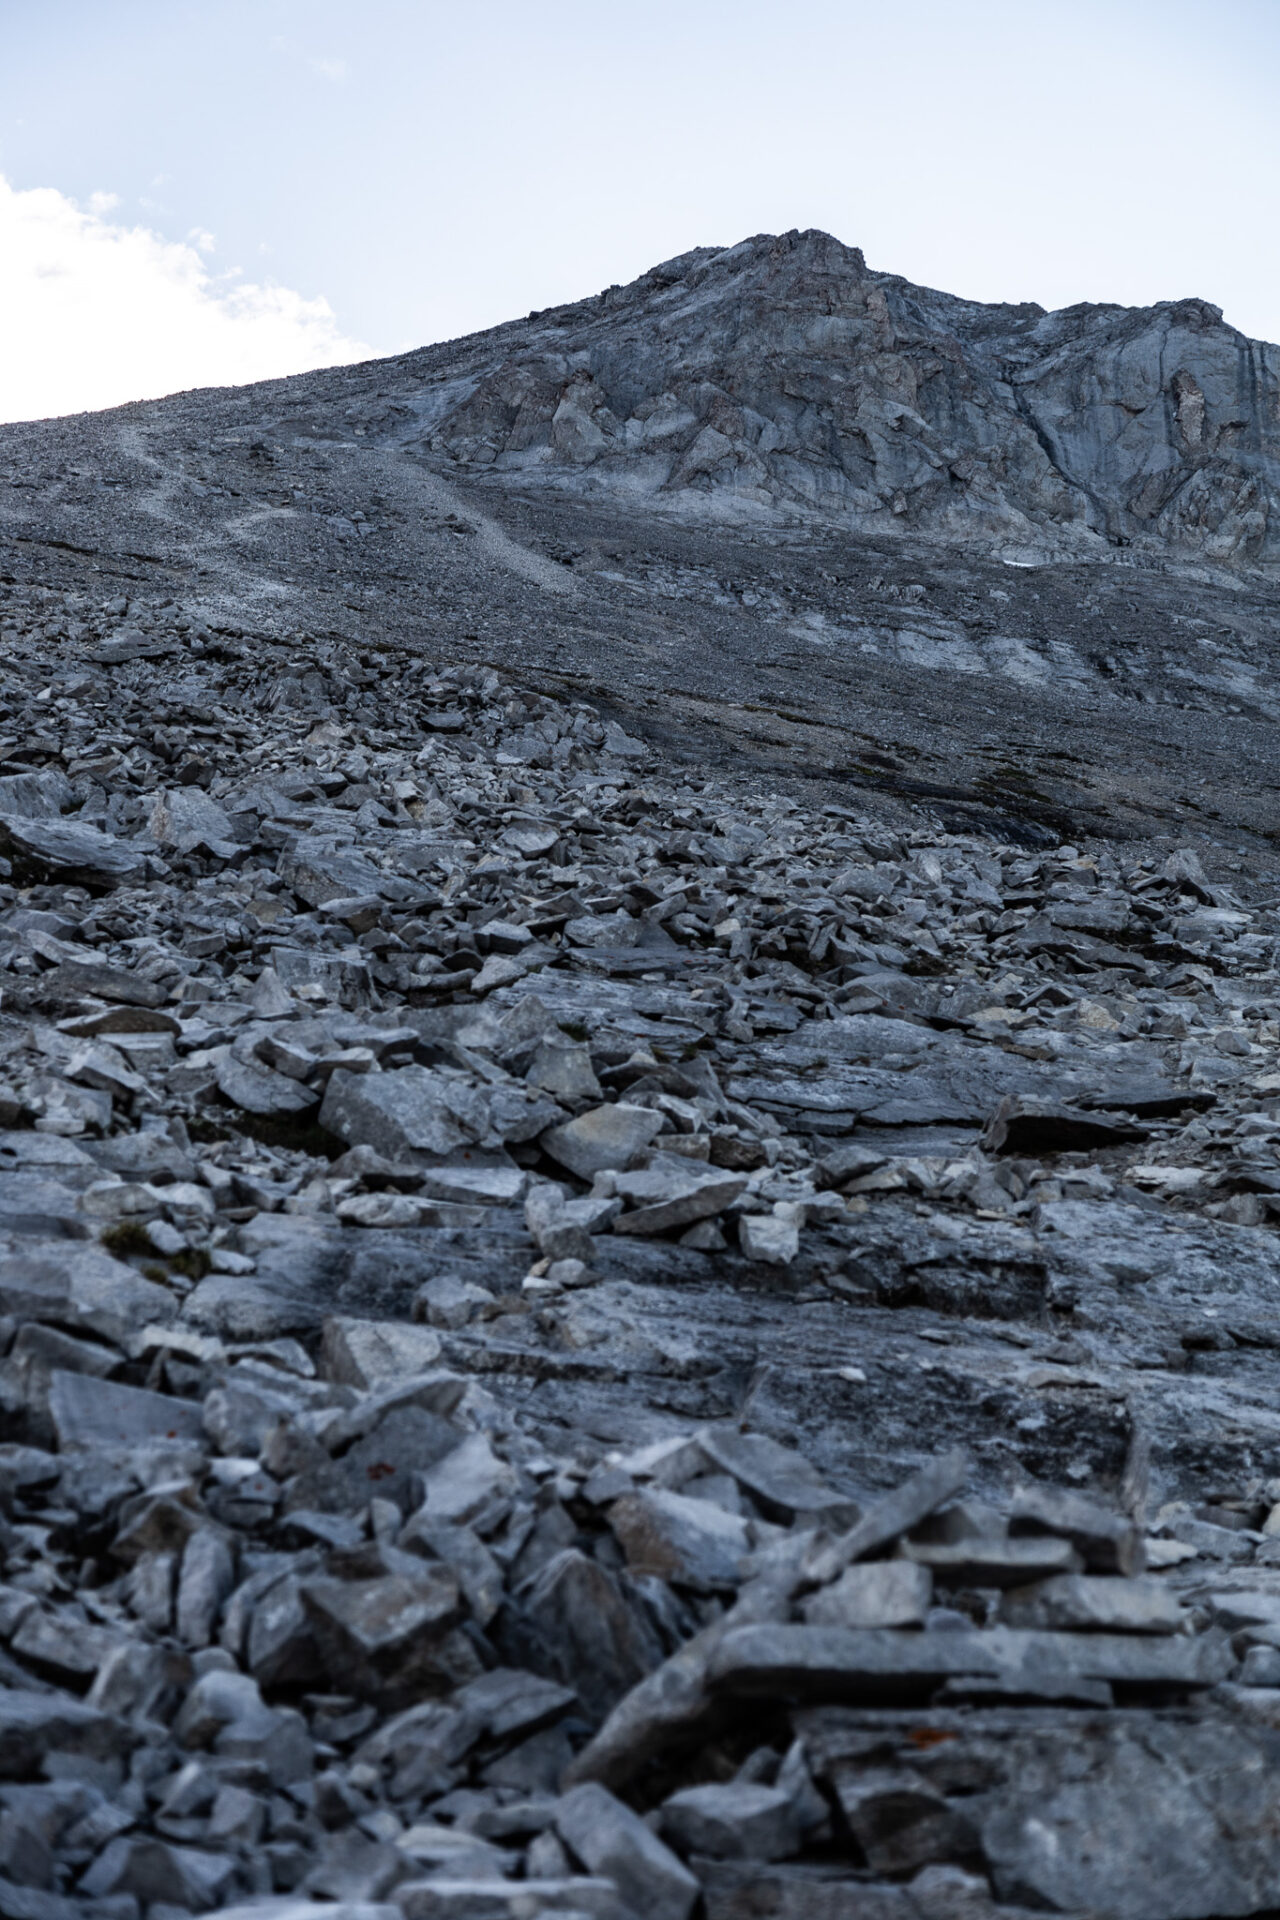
(500, 1241)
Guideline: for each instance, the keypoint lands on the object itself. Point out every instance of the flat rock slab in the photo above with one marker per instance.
(34, 1725)
(879, 1593)
(781, 1481)
(1093, 1603)
(615, 1843)
(101, 1413)
(692, 1542)
(32, 1205)
(416, 1110)
(829, 1663)
(69, 851)
(671, 1193)
(80, 1287)
(603, 1138)
(1142, 1822)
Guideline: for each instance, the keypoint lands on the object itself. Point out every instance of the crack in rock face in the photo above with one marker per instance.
(640, 1121)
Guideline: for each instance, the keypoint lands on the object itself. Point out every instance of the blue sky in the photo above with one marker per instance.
(426, 169)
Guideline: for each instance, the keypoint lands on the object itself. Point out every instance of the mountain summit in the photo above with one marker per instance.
(784, 377)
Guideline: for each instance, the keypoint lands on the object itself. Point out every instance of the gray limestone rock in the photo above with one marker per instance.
(995, 1563)
(831, 1661)
(900, 1821)
(389, 1635)
(769, 1237)
(693, 1543)
(738, 1821)
(35, 1726)
(576, 1625)
(1175, 1816)
(779, 1479)
(413, 1110)
(466, 1481)
(278, 878)
(672, 1193)
(206, 1579)
(368, 1353)
(103, 1414)
(710, 422)
(879, 1593)
(258, 1089)
(604, 1137)
(905, 1507)
(81, 1288)
(616, 1844)
(185, 818)
(157, 1873)
(1109, 1542)
(1088, 1602)
(68, 850)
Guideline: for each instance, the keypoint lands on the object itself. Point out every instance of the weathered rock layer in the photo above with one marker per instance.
(785, 376)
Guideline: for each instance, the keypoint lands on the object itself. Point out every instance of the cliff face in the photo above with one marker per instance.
(783, 377)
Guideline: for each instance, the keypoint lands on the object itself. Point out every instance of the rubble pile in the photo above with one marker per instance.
(500, 1236)
(343, 1630)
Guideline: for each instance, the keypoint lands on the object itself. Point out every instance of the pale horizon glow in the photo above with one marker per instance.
(96, 314)
(203, 192)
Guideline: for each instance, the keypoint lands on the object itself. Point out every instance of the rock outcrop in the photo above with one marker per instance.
(784, 377)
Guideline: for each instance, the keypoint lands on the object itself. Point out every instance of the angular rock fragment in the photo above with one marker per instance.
(1109, 1542)
(900, 1821)
(995, 1563)
(614, 1843)
(692, 1543)
(67, 850)
(895, 1514)
(879, 1593)
(738, 1821)
(780, 1480)
(388, 1633)
(185, 818)
(769, 1237)
(413, 1110)
(157, 1873)
(814, 1662)
(1087, 1602)
(604, 1137)
(34, 1726)
(1025, 1124)
(369, 1353)
(669, 1194)
(98, 1414)
(574, 1624)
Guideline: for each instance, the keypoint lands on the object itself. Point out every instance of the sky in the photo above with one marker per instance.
(203, 192)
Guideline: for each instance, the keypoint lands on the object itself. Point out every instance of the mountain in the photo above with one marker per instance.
(784, 379)
(640, 1121)
(773, 508)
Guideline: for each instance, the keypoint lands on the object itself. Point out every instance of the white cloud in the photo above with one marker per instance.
(95, 314)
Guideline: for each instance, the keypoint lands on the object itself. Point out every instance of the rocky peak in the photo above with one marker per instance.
(782, 378)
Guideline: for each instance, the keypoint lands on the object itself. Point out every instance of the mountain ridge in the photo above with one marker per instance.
(783, 376)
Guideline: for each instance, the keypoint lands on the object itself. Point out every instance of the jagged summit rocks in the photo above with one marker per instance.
(783, 375)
